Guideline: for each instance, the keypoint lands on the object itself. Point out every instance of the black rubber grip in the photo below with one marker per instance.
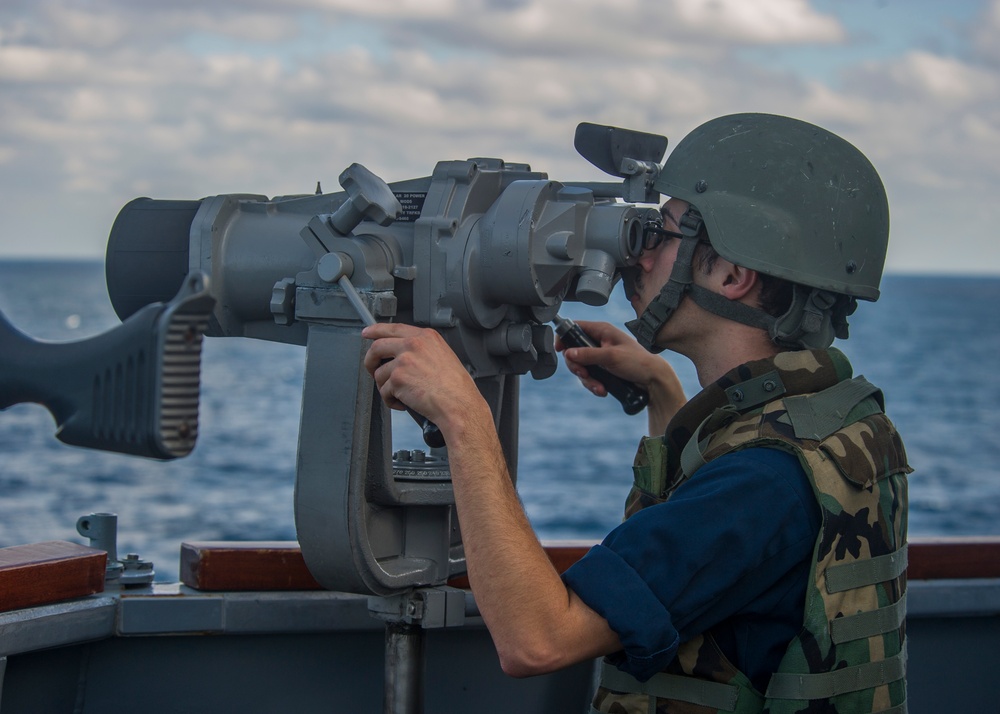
(632, 397)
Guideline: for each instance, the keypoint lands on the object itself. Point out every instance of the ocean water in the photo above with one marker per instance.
(931, 343)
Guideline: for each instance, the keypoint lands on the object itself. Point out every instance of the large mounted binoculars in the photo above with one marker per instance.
(482, 250)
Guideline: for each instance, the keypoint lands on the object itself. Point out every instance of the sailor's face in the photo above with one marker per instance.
(653, 267)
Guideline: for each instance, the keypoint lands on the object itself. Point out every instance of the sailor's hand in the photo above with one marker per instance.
(414, 367)
(620, 354)
(617, 352)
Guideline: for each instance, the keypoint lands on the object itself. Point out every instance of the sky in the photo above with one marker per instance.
(102, 101)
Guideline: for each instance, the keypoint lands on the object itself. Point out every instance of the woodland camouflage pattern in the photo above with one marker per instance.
(858, 473)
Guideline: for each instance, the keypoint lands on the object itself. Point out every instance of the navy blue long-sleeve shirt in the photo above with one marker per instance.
(729, 552)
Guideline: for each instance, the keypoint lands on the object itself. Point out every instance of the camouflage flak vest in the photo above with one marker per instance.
(850, 654)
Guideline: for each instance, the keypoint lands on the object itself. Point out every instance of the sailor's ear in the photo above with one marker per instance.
(735, 281)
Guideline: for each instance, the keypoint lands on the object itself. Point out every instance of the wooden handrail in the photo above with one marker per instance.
(972, 557)
(44, 573)
(48, 572)
(279, 565)
(249, 565)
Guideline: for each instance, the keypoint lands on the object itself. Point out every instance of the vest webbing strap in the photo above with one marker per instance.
(898, 709)
(869, 624)
(692, 458)
(870, 571)
(753, 392)
(714, 695)
(840, 681)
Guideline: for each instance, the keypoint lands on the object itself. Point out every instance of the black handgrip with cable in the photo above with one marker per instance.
(431, 433)
(632, 397)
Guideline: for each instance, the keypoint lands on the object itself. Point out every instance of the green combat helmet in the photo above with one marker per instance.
(787, 199)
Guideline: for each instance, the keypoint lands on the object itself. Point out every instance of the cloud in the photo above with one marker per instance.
(941, 79)
(762, 22)
(587, 28)
(111, 99)
(984, 34)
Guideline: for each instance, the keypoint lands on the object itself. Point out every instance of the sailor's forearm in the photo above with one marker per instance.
(537, 624)
(666, 396)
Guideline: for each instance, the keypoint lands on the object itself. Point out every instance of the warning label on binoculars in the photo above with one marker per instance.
(412, 203)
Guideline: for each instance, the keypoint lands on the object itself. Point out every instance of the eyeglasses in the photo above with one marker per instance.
(653, 234)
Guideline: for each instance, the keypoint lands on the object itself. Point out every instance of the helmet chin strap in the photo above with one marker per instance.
(681, 280)
(680, 283)
(660, 308)
(810, 323)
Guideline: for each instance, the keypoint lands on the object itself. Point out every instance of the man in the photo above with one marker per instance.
(762, 562)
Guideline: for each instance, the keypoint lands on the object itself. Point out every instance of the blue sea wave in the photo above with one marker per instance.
(931, 343)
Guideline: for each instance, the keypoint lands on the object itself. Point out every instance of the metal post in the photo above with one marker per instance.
(407, 616)
(102, 530)
(3, 671)
(404, 669)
